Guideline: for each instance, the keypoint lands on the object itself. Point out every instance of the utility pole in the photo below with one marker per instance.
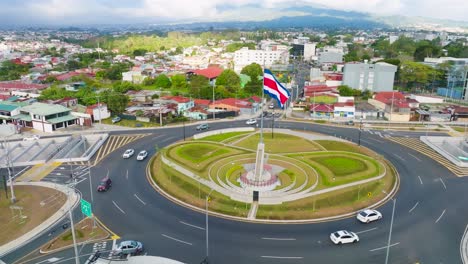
(214, 108)
(99, 109)
(70, 215)
(8, 166)
(390, 233)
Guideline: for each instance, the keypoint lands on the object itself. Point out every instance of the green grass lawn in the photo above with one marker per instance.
(223, 137)
(280, 143)
(200, 152)
(332, 145)
(324, 99)
(342, 166)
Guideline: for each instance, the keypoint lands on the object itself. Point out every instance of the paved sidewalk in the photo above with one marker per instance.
(72, 200)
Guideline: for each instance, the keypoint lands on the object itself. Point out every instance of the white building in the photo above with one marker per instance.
(45, 117)
(309, 51)
(133, 77)
(244, 57)
(377, 77)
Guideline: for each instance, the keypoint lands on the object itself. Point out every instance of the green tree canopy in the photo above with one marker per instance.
(117, 103)
(237, 46)
(345, 90)
(197, 84)
(12, 71)
(178, 81)
(416, 74)
(252, 70)
(230, 80)
(162, 81)
(426, 49)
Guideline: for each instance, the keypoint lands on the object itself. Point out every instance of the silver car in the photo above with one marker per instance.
(129, 247)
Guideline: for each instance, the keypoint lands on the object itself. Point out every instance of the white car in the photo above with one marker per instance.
(128, 153)
(343, 237)
(271, 106)
(251, 121)
(142, 155)
(31, 138)
(368, 215)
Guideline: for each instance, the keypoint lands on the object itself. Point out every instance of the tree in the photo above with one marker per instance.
(237, 46)
(252, 70)
(73, 65)
(426, 49)
(230, 80)
(416, 74)
(178, 81)
(117, 103)
(345, 90)
(148, 81)
(457, 49)
(50, 79)
(197, 83)
(12, 71)
(139, 52)
(162, 81)
(254, 87)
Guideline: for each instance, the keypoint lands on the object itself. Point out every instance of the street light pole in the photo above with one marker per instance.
(70, 215)
(360, 128)
(8, 167)
(214, 108)
(390, 234)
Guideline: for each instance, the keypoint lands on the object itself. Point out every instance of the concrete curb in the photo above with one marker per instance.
(464, 246)
(58, 216)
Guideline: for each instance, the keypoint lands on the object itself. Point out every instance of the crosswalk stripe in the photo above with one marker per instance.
(114, 142)
(419, 146)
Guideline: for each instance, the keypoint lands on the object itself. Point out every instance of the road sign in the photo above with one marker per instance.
(86, 208)
(369, 194)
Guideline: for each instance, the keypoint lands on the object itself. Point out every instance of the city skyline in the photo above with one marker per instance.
(69, 12)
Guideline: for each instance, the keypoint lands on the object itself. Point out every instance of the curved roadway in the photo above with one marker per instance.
(430, 213)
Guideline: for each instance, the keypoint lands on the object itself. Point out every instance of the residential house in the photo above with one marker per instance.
(45, 117)
(66, 102)
(8, 110)
(141, 96)
(345, 109)
(239, 106)
(98, 112)
(203, 103)
(133, 76)
(197, 113)
(321, 110)
(75, 87)
(392, 103)
(211, 73)
(183, 103)
(10, 86)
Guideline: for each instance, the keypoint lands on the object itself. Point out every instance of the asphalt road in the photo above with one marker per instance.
(430, 213)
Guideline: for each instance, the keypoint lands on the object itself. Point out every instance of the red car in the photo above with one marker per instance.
(104, 185)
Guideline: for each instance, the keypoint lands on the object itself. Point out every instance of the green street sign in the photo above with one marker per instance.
(86, 208)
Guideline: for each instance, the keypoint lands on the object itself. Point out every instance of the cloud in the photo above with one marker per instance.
(125, 11)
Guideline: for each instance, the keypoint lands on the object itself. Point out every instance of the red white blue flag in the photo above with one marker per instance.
(274, 88)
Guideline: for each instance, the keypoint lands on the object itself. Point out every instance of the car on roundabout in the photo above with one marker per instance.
(128, 153)
(142, 155)
(128, 247)
(202, 127)
(251, 121)
(104, 185)
(343, 237)
(368, 215)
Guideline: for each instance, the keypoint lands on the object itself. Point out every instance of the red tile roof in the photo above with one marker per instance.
(202, 102)
(385, 97)
(178, 99)
(235, 102)
(325, 108)
(18, 85)
(256, 99)
(66, 76)
(210, 73)
(96, 106)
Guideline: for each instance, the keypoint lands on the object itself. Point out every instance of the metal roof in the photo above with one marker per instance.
(45, 109)
(61, 119)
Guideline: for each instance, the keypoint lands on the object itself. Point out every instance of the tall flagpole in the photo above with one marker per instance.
(263, 94)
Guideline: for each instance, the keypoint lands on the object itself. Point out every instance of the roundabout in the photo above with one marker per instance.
(428, 209)
(315, 184)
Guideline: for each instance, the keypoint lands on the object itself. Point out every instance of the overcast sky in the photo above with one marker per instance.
(128, 11)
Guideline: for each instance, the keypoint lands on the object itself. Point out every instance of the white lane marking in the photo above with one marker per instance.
(379, 134)
(399, 157)
(380, 141)
(438, 219)
(445, 187)
(167, 139)
(157, 137)
(175, 239)
(279, 239)
(375, 249)
(367, 142)
(114, 244)
(412, 208)
(118, 207)
(194, 226)
(136, 196)
(464, 246)
(420, 180)
(364, 231)
(48, 260)
(278, 257)
(126, 175)
(414, 157)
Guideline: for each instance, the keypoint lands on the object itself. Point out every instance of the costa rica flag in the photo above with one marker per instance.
(274, 88)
